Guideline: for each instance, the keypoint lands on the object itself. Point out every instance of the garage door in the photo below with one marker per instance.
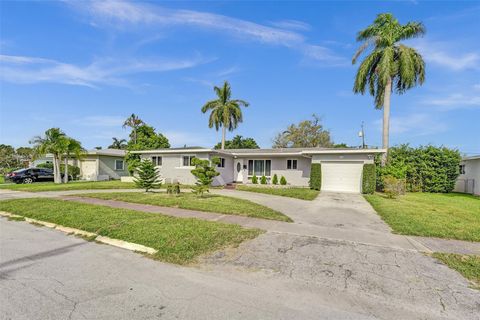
(88, 169)
(342, 176)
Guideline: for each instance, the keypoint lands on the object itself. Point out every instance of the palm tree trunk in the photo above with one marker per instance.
(134, 135)
(386, 120)
(224, 133)
(65, 177)
(56, 169)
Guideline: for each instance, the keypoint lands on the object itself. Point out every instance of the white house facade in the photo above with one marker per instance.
(341, 168)
(469, 179)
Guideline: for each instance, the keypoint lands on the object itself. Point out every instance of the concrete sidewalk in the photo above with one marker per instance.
(365, 237)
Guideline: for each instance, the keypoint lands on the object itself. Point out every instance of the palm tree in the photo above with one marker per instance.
(133, 122)
(53, 142)
(71, 147)
(118, 144)
(225, 113)
(390, 65)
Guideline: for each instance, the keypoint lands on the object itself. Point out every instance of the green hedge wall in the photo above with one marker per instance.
(369, 178)
(424, 168)
(316, 176)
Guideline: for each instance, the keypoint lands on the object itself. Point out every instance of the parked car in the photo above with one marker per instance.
(31, 175)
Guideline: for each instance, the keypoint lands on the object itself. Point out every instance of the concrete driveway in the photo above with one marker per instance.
(329, 209)
(45, 274)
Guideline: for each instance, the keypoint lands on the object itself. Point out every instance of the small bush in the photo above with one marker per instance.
(368, 178)
(393, 187)
(205, 171)
(316, 176)
(283, 181)
(173, 188)
(275, 179)
(263, 180)
(254, 179)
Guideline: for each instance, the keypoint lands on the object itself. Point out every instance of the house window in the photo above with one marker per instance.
(187, 161)
(157, 161)
(259, 167)
(462, 169)
(292, 164)
(119, 165)
(222, 163)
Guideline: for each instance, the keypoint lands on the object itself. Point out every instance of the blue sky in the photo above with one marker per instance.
(85, 66)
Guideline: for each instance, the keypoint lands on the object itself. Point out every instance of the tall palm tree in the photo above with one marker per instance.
(74, 148)
(225, 113)
(133, 122)
(53, 142)
(118, 144)
(390, 66)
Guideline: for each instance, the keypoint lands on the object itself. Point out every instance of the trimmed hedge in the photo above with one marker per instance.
(316, 176)
(425, 168)
(368, 178)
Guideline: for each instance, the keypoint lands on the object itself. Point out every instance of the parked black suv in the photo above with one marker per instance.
(31, 175)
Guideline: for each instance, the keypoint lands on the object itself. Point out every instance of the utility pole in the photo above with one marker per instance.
(361, 134)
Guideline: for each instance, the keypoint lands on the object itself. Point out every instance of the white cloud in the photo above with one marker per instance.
(190, 139)
(122, 14)
(21, 69)
(440, 54)
(455, 101)
(476, 86)
(291, 24)
(419, 124)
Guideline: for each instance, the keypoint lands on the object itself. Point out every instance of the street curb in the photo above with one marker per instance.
(106, 240)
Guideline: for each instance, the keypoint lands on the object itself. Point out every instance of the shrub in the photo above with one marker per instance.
(204, 172)
(73, 171)
(275, 179)
(316, 176)
(368, 178)
(263, 180)
(254, 179)
(148, 176)
(173, 188)
(426, 168)
(393, 187)
(283, 181)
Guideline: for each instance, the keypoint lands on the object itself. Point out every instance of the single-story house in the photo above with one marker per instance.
(341, 168)
(95, 165)
(469, 179)
(103, 164)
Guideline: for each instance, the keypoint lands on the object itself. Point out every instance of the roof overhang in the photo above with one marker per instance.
(343, 151)
(170, 151)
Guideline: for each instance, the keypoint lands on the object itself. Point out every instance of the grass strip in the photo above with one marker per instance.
(451, 215)
(208, 203)
(297, 193)
(177, 240)
(467, 265)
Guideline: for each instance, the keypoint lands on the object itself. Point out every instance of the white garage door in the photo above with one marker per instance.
(88, 169)
(342, 176)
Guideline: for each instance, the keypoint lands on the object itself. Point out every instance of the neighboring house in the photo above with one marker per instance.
(96, 165)
(103, 164)
(341, 168)
(469, 179)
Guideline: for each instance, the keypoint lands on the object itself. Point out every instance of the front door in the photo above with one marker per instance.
(239, 171)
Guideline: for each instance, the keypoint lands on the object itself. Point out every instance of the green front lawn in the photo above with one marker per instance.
(73, 185)
(209, 203)
(467, 265)
(177, 240)
(451, 215)
(298, 193)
